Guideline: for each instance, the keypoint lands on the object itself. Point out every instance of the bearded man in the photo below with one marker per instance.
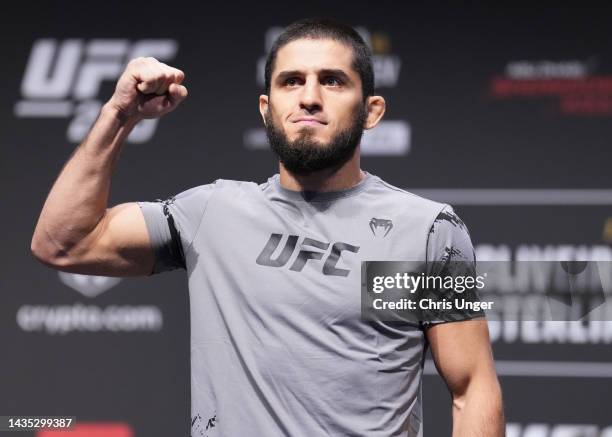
(278, 344)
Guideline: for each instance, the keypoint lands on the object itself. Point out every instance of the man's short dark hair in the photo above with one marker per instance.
(326, 28)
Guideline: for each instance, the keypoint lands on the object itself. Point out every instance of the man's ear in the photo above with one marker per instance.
(263, 107)
(375, 107)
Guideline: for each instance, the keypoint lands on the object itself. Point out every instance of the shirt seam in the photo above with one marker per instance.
(197, 231)
(423, 326)
(294, 195)
(444, 205)
(408, 193)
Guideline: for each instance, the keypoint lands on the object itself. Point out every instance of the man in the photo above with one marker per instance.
(278, 346)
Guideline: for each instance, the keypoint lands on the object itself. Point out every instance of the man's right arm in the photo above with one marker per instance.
(75, 231)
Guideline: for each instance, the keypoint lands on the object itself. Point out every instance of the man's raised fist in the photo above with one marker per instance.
(148, 89)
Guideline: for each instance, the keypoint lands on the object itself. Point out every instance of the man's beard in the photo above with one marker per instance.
(305, 155)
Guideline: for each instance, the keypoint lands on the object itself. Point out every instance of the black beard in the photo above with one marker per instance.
(305, 156)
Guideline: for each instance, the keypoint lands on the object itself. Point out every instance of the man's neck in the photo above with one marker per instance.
(333, 179)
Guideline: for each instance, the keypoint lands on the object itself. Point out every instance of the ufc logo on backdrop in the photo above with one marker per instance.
(63, 79)
(311, 249)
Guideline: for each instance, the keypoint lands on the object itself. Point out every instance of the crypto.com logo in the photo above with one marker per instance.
(67, 318)
(87, 285)
(63, 79)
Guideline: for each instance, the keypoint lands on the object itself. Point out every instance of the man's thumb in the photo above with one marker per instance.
(177, 93)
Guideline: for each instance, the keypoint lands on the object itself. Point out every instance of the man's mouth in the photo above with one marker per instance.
(308, 121)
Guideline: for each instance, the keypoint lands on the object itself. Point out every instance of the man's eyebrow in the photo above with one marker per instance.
(287, 74)
(335, 72)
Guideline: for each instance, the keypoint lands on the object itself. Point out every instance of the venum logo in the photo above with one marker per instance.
(315, 250)
(377, 226)
(63, 79)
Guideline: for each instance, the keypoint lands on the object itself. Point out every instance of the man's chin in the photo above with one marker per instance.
(308, 137)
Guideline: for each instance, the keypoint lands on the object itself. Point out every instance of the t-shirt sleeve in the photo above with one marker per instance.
(450, 253)
(173, 224)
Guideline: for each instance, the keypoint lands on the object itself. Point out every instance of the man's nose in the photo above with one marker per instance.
(310, 99)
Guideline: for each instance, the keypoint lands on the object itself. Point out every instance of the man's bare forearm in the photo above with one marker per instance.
(79, 197)
(479, 413)
(74, 231)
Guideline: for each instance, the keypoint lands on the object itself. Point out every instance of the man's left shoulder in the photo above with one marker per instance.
(408, 202)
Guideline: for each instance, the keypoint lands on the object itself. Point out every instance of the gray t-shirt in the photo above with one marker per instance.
(278, 347)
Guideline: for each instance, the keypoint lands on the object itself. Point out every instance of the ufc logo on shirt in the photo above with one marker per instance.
(311, 249)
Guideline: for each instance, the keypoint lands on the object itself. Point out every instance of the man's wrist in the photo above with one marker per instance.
(111, 111)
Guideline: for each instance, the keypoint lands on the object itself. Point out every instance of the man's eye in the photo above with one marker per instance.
(292, 81)
(330, 80)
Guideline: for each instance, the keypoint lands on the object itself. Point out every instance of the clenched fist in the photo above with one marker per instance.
(148, 89)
